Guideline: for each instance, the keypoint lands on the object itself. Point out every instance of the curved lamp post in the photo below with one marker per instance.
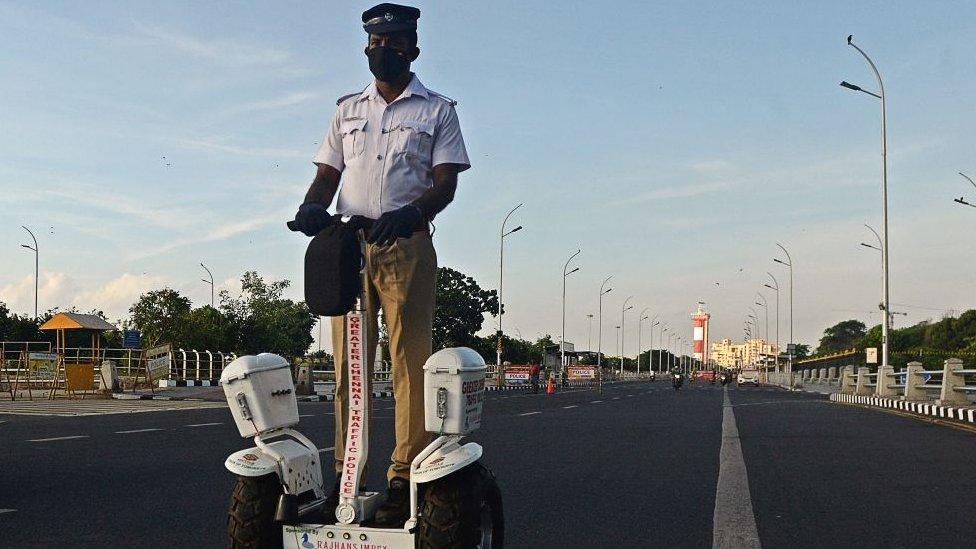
(884, 196)
(501, 280)
(562, 338)
(37, 263)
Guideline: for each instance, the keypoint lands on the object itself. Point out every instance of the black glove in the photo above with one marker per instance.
(396, 224)
(311, 218)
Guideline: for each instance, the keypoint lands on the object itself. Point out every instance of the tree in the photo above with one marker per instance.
(802, 351)
(163, 316)
(263, 321)
(15, 327)
(460, 308)
(841, 336)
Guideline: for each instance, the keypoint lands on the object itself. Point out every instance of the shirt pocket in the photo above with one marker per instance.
(420, 140)
(353, 138)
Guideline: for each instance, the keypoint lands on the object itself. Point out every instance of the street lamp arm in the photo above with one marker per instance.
(876, 235)
(789, 259)
(874, 68)
(509, 215)
(566, 266)
(968, 178)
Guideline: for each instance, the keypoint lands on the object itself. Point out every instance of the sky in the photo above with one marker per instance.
(674, 143)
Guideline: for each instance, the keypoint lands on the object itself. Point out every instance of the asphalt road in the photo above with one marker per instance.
(635, 467)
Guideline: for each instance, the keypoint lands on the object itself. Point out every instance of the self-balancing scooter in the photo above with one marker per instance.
(279, 497)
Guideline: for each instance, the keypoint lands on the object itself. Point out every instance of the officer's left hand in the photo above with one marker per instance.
(396, 224)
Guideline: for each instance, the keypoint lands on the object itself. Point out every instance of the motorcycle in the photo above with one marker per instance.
(677, 380)
(726, 378)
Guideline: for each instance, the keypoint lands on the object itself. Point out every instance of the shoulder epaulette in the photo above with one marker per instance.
(444, 97)
(344, 97)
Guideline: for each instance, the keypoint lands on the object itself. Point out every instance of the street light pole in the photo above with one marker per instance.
(884, 195)
(599, 337)
(660, 352)
(37, 263)
(650, 350)
(562, 338)
(589, 333)
(776, 287)
(640, 319)
(211, 282)
(619, 357)
(623, 309)
(790, 348)
(501, 281)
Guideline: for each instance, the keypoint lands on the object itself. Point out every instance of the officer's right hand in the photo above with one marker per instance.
(311, 218)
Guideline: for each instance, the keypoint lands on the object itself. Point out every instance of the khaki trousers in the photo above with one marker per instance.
(401, 282)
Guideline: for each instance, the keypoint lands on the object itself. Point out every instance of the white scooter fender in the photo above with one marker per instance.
(443, 457)
(295, 461)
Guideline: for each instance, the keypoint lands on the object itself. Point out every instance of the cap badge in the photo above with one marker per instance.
(388, 16)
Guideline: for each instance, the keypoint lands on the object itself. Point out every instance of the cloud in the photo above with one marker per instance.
(282, 102)
(222, 51)
(168, 217)
(711, 166)
(212, 146)
(118, 294)
(677, 191)
(220, 232)
(55, 290)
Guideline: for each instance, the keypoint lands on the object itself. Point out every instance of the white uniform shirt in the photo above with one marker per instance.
(386, 152)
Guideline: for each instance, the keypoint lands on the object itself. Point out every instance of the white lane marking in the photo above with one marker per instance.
(305, 415)
(595, 401)
(2, 511)
(630, 395)
(136, 431)
(733, 522)
(324, 450)
(616, 398)
(568, 407)
(530, 413)
(57, 438)
(203, 424)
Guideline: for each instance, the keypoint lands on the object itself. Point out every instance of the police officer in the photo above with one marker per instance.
(396, 147)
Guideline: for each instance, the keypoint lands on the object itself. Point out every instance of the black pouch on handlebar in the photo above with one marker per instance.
(332, 277)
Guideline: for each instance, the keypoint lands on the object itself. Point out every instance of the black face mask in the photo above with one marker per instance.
(387, 64)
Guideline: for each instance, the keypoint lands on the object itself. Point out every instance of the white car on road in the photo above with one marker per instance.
(748, 376)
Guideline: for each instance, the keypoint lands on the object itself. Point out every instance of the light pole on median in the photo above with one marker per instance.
(886, 305)
(619, 357)
(660, 352)
(775, 287)
(879, 248)
(589, 333)
(623, 309)
(501, 285)
(599, 337)
(765, 306)
(211, 282)
(37, 263)
(790, 348)
(650, 350)
(640, 319)
(562, 338)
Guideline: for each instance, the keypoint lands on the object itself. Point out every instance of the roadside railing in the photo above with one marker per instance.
(952, 385)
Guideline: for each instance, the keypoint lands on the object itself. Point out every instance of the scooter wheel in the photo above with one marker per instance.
(250, 520)
(462, 510)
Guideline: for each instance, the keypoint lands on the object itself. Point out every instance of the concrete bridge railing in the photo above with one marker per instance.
(946, 387)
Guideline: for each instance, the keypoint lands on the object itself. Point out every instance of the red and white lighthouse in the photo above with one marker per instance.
(700, 319)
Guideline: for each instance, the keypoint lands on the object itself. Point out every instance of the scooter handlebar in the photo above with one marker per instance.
(354, 222)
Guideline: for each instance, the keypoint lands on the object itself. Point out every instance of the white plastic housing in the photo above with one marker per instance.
(454, 391)
(261, 393)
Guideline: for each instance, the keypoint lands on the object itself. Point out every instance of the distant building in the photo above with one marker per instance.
(729, 354)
